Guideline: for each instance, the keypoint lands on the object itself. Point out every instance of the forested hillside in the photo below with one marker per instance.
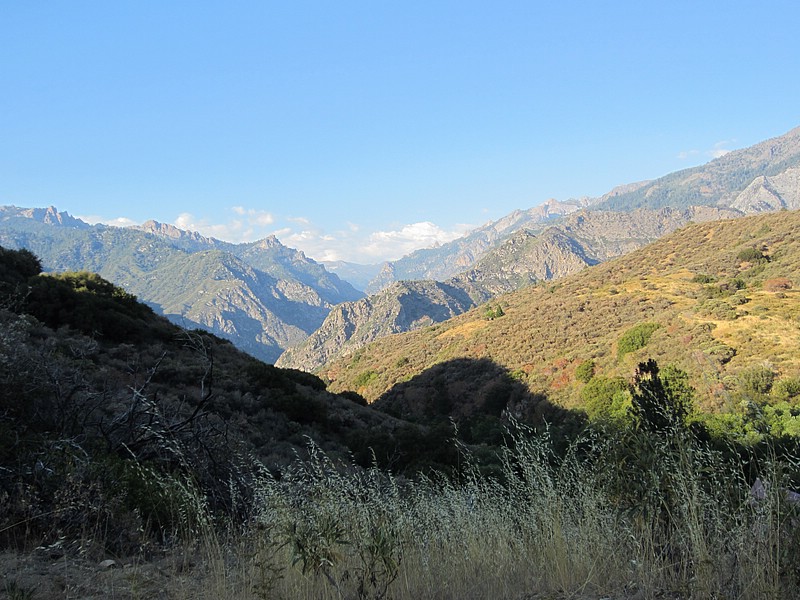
(262, 296)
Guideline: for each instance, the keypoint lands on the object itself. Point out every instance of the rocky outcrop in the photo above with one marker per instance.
(404, 306)
(776, 192)
(454, 257)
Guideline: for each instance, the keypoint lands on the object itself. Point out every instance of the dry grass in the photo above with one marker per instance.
(561, 526)
(582, 317)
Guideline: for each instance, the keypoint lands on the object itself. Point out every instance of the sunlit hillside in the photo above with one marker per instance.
(722, 299)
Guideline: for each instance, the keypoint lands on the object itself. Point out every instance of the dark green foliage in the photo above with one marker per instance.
(88, 303)
(354, 397)
(605, 398)
(635, 338)
(756, 381)
(307, 379)
(660, 402)
(262, 375)
(703, 278)
(17, 266)
(365, 378)
(787, 389)
(751, 254)
(495, 312)
(724, 289)
(585, 371)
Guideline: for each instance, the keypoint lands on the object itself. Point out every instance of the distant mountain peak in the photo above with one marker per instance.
(174, 233)
(268, 242)
(48, 216)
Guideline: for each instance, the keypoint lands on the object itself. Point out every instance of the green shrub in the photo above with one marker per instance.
(703, 278)
(585, 371)
(756, 381)
(605, 398)
(635, 338)
(751, 255)
(365, 378)
(787, 389)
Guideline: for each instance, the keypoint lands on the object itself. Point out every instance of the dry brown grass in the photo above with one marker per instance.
(559, 527)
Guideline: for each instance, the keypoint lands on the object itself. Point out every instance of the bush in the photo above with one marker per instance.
(703, 278)
(605, 398)
(756, 381)
(787, 389)
(585, 371)
(354, 397)
(365, 378)
(751, 255)
(635, 338)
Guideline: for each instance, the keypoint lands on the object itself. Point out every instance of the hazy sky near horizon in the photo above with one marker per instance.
(364, 130)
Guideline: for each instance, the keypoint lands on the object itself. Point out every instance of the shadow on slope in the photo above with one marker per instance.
(473, 393)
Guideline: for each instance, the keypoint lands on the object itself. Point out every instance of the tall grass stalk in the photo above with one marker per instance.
(555, 523)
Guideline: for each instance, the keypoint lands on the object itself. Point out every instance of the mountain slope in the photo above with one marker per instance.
(584, 238)
(719, 182)
(453, 257)
(267, 255)
(721, 298)
(723, 182)
(191, 279)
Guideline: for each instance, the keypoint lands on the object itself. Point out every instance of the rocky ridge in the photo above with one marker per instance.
(262, 296)
(585, 238)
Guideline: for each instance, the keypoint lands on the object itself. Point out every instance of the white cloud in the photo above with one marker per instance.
(719, 149)
(116, 221)
(350, 243)
(248, 225)
(391, 245)
(716, 151)
(253, 216)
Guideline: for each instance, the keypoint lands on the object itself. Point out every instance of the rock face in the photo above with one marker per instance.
(764, 194)
(454, 257)
(262, 296)
(584, 238)
(717, 183)
(404, 306)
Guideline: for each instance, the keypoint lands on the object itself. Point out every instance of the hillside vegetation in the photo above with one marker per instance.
(718, 300)
(196, 471)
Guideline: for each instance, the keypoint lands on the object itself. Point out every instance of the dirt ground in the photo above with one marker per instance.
(39, 576)
(49, 576)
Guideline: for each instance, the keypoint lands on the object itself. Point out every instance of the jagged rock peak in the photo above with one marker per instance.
(172, 232)
(268, 242)
(51, 216)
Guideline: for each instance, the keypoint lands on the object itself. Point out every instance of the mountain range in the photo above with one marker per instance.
(278, 305)
(262, 295)
(559, 238)
(580, 240)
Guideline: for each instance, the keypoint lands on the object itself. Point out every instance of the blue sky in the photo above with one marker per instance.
(363, 130)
